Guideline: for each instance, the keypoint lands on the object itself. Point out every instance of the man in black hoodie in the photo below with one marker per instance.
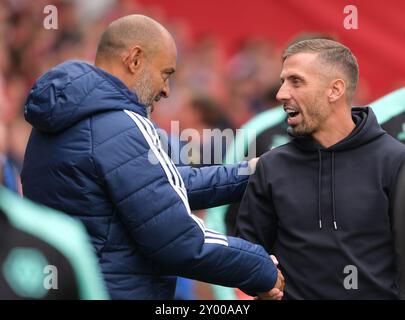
(325, 211)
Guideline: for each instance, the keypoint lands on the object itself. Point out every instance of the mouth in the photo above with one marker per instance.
(152, 104)
(291, 112)
(293, 115)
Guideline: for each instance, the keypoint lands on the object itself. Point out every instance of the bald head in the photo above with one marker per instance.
(142, 54)
(129, 31)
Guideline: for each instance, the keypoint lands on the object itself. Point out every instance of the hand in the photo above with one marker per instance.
(252, 165)
(277, 292)
(273, 294)
(274, 259)
(280, 283)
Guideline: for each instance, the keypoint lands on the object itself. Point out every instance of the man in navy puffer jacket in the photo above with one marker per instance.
(94, 154)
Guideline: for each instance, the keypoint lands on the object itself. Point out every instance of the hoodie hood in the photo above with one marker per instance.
(73, 91)
(366, 130)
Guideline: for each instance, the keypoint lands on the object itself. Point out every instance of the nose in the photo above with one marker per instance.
(165, 93)
(283, 93)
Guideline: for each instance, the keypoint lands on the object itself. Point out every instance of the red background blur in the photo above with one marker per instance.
(378, 43)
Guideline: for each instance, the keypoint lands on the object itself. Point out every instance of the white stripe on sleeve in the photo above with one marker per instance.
(172, 174)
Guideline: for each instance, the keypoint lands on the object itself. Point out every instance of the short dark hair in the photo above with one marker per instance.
(333, 53)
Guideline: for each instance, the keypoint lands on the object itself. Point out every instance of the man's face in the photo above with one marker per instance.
(303, 93)
(152, 82)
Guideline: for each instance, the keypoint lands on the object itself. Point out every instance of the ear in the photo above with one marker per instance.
(337, 89)
(134, 59)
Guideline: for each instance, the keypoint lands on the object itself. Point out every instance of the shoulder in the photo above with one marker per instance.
(116, 127)
(389, 154)
(392, 146)
(279, 152)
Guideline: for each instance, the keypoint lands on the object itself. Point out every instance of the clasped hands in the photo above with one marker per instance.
(278, 291)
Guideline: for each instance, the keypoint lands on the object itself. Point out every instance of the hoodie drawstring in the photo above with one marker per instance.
(320, 191)
(333, 191)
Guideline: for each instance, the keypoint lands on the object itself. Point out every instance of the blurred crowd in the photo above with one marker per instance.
(212, 88)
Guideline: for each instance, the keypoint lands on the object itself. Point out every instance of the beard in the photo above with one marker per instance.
(315, 115)
(143, 89)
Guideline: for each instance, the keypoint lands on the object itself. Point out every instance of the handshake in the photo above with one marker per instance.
(277, 292)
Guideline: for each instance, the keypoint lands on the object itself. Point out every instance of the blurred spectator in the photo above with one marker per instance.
(9, 177)
(253, 71)
(239, 84)
(235, 86)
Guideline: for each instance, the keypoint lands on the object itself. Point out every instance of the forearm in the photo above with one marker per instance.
(215, 185)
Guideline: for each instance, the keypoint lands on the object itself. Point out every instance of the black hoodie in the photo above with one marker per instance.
(325, 213)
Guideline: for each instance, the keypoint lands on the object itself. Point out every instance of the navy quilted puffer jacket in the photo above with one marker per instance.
(89, 156)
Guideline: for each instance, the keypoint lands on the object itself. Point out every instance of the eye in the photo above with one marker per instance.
(296, 82)
(166, 76)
